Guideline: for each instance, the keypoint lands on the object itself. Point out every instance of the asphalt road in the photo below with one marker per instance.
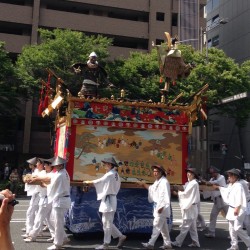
(90, 241)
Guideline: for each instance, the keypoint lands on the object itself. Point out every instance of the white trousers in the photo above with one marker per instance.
(188, 225)
(31, 212)
(200, 219)
(235, 231)
(58, 215)
(109, 228)
(43, 213)
(160, 225)
(214, 214)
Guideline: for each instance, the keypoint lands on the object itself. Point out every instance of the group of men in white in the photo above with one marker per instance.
(49, 188)
(51, 199)
(231, 197)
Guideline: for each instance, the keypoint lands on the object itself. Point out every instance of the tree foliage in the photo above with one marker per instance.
(138, 74)
(58, 50)
(8, 83)
(8, 95)
(225, 78)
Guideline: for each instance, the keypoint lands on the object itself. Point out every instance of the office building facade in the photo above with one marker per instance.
(229, 30)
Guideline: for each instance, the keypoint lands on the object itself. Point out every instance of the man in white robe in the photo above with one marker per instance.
(32, 190)
(29, 188)
(217, 179)
(189, 198)
(159, 195)
(44, 211)
(58, 192)
(107, 187)
(235, 197)
(245, 186)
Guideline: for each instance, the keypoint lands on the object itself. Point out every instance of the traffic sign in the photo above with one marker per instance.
(235, 97)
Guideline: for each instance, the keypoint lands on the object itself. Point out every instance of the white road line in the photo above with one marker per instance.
(207, 221)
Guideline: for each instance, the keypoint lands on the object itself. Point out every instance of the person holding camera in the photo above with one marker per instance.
(6, 211)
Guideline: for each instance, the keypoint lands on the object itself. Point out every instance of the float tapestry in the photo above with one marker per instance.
(135, 151)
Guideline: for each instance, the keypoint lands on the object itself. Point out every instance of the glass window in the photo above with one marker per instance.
(160, 16)
(216, 4)
(159, 41)
(216, 126)
(209, 43)
(215, 41)
(215, 147)
(174, 19)
(209, 24)
(215, 19)
(209, 6)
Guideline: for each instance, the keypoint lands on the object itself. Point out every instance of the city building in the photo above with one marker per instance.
(132, 24)
(228, 29)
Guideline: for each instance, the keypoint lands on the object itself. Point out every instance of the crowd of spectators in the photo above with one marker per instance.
(11, 177)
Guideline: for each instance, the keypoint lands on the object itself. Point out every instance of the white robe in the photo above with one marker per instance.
(41, 190)
(58, 191)
(159, 193)
(107, 187)
(188, 199)
(220, 181)
(234, 196)
(31, 189)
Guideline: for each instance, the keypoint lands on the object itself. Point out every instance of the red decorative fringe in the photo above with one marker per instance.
(40, 108)
(46, 102)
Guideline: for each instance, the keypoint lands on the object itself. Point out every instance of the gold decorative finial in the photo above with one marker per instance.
(122, 93)
(163, 99)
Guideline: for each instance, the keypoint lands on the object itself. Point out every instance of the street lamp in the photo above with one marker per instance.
(208, 28)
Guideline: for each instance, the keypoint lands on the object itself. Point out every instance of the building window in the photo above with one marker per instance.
(215, 20)
(216, 4)
(215, 126)
(160, 16)
(215, 41)
(175, 19)
(215, 148)
(159, 41)
(211, 5)
(19, 2)
(40, 124)
(209, 43)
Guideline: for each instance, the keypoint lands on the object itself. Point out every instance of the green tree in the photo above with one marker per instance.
(138, 75)
(58, 50)
(225, 78)
(8, 97)
(8, 83)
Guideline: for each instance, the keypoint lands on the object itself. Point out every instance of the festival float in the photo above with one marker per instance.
(137, 134)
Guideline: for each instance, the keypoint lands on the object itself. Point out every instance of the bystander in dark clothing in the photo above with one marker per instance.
(14, 181)
(6, 171)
